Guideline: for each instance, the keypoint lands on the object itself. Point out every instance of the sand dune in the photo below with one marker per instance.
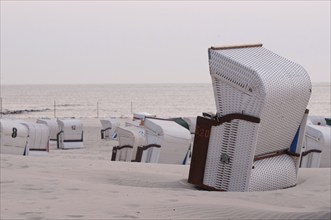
(85, 184)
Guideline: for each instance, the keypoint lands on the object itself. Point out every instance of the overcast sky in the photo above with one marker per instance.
(55, 42)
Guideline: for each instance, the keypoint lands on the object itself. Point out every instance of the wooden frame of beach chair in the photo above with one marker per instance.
(261, 100)
(70, 135)
(13, 137)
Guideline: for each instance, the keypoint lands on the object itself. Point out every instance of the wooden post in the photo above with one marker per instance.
(54, 109)
(131, 108)
(97, 109)
(0, 107)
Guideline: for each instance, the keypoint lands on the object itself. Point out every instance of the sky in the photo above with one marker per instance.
(119, 42)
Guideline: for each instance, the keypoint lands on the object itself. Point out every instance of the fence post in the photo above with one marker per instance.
(0, 107)
(97, 109)
(131, 108)
(54, 109)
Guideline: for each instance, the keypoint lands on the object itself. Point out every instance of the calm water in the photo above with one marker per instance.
(164, 100)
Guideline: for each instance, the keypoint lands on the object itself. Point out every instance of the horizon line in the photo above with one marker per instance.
(120, 83)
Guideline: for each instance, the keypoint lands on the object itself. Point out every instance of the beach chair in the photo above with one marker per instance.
(174, 141)
(109, 126)
(13, 137)
(52, 126)
(38, 138)
(129, 139)
(316, 144)
(140, 116)
(318, 120)
(70, 135)
(192, 122)
(254, 141)
(148, 154)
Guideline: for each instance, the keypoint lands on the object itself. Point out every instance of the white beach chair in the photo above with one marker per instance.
(129, 138)
(70, 135)
(192, 122)
(38, 138)
(148, 154)
(174, 141)
(52, 125)
(316, 146)
(318, 120)
(254, 141)
(109, 126)
(13, 137)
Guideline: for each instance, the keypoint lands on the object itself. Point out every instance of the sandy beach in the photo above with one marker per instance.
(85, 184)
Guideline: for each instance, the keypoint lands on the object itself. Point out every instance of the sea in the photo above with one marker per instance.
(122, 100)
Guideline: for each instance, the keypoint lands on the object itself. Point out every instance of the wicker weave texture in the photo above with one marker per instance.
(258, 82)
(255, 81)
(230, 155)
(273, 173)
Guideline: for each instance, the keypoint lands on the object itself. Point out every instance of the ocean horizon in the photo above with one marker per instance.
(121, 100)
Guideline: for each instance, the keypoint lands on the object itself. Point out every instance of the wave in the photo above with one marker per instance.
(23, 111)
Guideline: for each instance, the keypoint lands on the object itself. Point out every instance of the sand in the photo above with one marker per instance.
(85, 184)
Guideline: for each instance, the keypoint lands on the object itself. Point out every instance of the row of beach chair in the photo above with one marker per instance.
(150, 140)
(29, 138)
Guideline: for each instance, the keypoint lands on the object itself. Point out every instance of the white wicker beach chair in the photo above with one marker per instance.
(254, 141)
(316, 144)
(148, 154)
(38, 138)
(129, 138)
(109, 126)
(13, 137)
(70, 135)
(52, 125)
(174, 141)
